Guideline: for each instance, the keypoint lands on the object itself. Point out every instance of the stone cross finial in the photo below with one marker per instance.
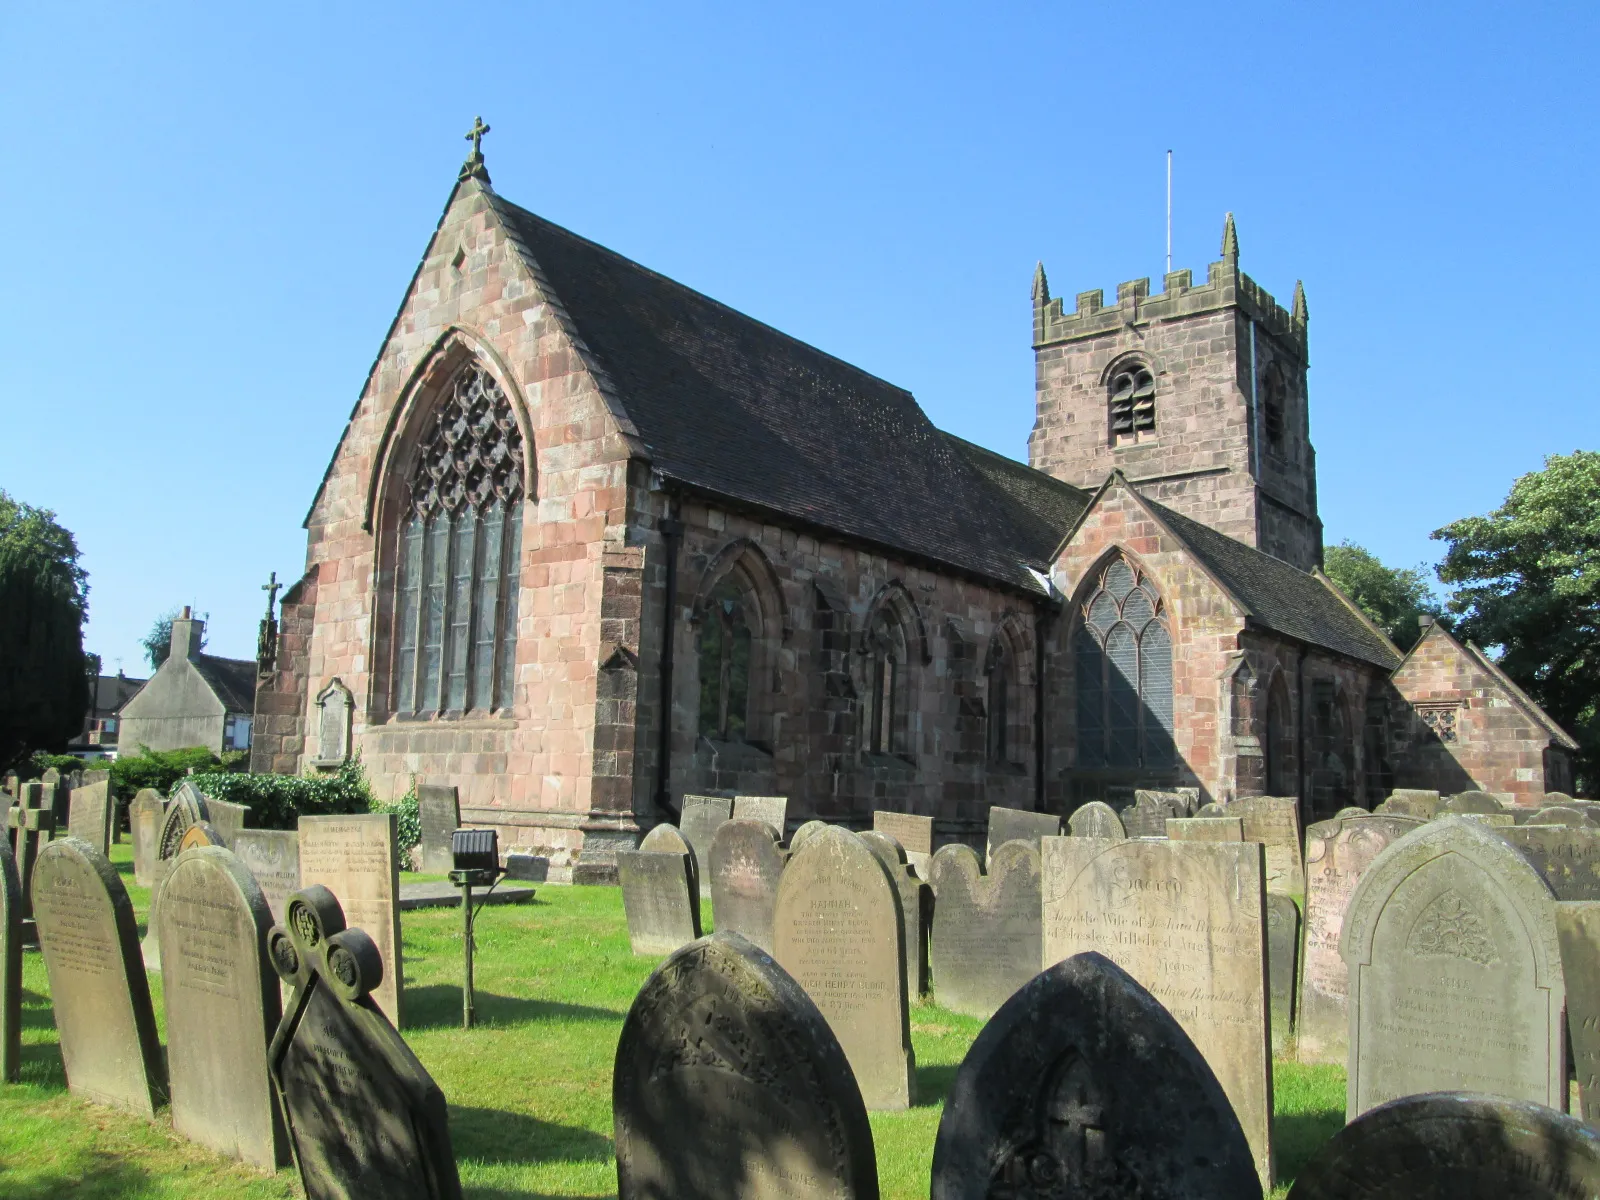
(473, 168)
(475, 136)
(271, 587)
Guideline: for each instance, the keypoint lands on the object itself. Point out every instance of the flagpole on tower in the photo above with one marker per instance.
(1169, 212)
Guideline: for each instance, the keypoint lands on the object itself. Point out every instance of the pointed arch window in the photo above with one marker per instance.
(725, 645)
(1132, 404)
(460, 546)
(999, 705)
(1123, 657)
(886, 682)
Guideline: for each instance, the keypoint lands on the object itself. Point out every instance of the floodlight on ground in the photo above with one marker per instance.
(476, 854)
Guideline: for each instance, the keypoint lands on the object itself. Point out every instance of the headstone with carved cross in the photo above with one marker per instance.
(31, 822)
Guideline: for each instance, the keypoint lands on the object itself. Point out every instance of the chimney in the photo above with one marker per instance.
(186, 634)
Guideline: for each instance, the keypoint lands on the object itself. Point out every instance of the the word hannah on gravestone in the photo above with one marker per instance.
(774, 810)
(144, 824)
(1283, 959)
(272, 856)
(987, 937)
(746, 864)
(1018, 825)
(1187, 920)
(659, 897)
(355, 857)
(364, 1116)
(90, 812)
(1338, 853)
(916, 907)
(699, 821)
(1578, 931)
(1096, 819)
(222, 1007)
(10, 967)
(763, 1105)
(1274, 821)
(439, 815)
(837, 930)
(98, 987)
(1455, 972)
(1083, 1085)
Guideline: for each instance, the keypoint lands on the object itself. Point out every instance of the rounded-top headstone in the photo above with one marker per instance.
(187, 807)
(1471, 802)
(667, 839)
(805, 833)
(1561, 814)
(1096, 819)
(198, 835)
(1352, 810)
(746, 864)
(1212, 809)
(729, 1082)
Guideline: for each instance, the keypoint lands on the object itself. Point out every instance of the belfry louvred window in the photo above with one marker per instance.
(1133, 403)
(460, 543)
(1123, 660)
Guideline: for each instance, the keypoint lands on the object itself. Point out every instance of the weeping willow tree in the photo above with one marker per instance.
(44, 598)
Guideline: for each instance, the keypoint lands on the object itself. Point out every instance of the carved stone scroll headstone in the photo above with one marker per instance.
(698, 822)
(356, 858)
(1096, 819)
(746, 864)
(10, 966)
(659, 898)
(916, 906)
(91, 809)
(439, 815)
(1147, 816)
(1019, 825)
(987, 936)
(144, 822)
(774, 810)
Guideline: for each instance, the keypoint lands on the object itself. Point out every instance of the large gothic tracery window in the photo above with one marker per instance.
(460, 546)
(1123, 658)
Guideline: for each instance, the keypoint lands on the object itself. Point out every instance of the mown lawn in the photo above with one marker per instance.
(529, 1088)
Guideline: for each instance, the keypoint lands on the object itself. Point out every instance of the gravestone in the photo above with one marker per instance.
(764, 1106)
(272, 856)
(1455, 974)
(1411, 802)
(10, 966)
(335, 708)
(1338, 852)
(355, 858)
(1212, 809)
(698, 822)
(364, 1116)
(1558, 814)
(91, 809)
(1147, 816)
(1187, 920)
(774, 810)
(1455, 1146)
(1205, 829)
(57, 796)
(660, 899)
(1019, 825)
(201, 833)
(916, 907)
(227, 818)
(31, 824)
(144, 823)
(1084, 1086)
(439, 815)
(222, 1007)
(805, 833)
(1283, 961)
(746, 863)
(914, 833)
(1179, 802)
(1471, 802)
(97, 981)
(1096, 819)
(837, 930)
(1496, 820)
(987, 935)
(1568, 857)
(1578, 932)
(1274, 821)
(1352, 810)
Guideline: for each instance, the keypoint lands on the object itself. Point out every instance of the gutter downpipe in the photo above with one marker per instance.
(1303, 800)
(671, 529)
(1040, 618)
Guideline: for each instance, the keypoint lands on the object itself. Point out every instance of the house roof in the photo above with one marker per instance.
(232, 679)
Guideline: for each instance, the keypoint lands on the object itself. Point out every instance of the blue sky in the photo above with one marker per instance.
(214, 210)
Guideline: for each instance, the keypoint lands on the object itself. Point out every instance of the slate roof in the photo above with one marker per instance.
(232, 679)
(1040, 508)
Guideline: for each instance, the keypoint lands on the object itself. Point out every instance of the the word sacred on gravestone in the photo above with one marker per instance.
(746, 864)
(1096, 819)
(222, 1005)
(1338, 853)
(90, 813)
(1578, 930)
(837, 930)
(1187, 920)
(987, 937)
(273, 857)
(774, 810)
(439, 814)
(1274, 821)
(144, 823)
(364, 1116)
(97, 981)
(10, 967)
(698, 822)
(659, 899)
(1019, 825)
(1083, 1085)
(763, 1105)
(1455, 972)
(355, 858)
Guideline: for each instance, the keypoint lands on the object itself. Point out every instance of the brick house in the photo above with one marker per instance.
(591, 541)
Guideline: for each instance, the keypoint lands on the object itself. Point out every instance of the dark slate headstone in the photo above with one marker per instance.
(91, 810)
(774, 810)
(916, 907)
(660, 900)
(988, 937)
(272, 856)
(97, 981)
(1083, 1085)
(222, 1007)
(746, 864)
(1471, 802)
(1567, 856)
(698, 822)
(144, 823)
(1578, 931)
(10, 966)
(439, 815)
(1455, 1146)
(1283, 961)
(364, 1116)
(1096, 819)
(1019, 825)
(729, 1083)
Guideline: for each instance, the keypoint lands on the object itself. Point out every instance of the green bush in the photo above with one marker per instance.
(279, 801)
(159, 769)
(41, 761)
(408, 824)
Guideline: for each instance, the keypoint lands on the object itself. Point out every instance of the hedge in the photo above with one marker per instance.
(279, 801)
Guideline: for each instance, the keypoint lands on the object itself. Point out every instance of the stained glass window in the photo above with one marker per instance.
(1123, 656)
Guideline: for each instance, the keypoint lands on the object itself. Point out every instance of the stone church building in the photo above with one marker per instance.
(591, 541)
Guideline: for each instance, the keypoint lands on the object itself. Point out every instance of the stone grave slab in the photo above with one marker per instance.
(10, 966)
(272, 856)
(1187, 920)
(364, 1116)
(436, 893)
(916, 907)
(1283, 962)
(914, 833)
(355, 858)
(186, 807)
(227, 818)
(746, 864)
(1455, 973)
(1096, 819)
(1179, 802)
(97, 981)
(144, 823)
(1338, 852)
(774, 810)
(439, 815)
(91, 809)
(1083, 1085)
(1274, 821)
(1018, 825)
(1205, 829)
(1578, 932)
(1499, 820)
(660, 899)
(222, 1007)
(698, 822)
(988, 939)
(837, 930)
(765, 1107)
(1568, 857)
(1411, 802)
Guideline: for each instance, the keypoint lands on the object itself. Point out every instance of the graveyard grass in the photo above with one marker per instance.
(529, 1089)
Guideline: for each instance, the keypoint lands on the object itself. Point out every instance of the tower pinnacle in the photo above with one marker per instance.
(1230, 241)
(1299, 314)
(1041, 287)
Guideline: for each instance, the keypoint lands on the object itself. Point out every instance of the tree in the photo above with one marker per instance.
(1393, 597)
(44, 598)
(158, 642)
(1527, 582)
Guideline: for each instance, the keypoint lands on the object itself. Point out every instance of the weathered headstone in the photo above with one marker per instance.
(97, 981)
(1411, 802)
(355, 858)
(774, 810)
(439, 815)
(746, 864)
(1212, 809)
(1578, 931)
(272, 856)
(1338, 852)
(1205, 829)
(1353, 810)
(1455, 974)
(659, 898)
(222, 1007)
(914, 833)
(1019, 825)
(762, 1106)
(837, 930)
(10, 966)
(1179, 802)
(31, 825)
(1471, 802)
(1455, 1146)
(698, 822)
(1187, 920)
(1274, 821)
(144, 823)
(805, 833)
(1559, 814)
(916, 907)
(1283, 961)
(1495, 820)
(987, 936)
(227, 818)
(1096, 819)
(364, 1116)
(57, 796)
(90, 813)
(201, 833)
(1147, 816)
(1083, 1085)
(1568, 857)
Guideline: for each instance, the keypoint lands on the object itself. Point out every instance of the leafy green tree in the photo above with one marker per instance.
(1393, 597)
(158, 642)
(44, 598)
(1527, 582)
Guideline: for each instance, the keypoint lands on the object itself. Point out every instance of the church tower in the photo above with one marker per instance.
(1197, 395)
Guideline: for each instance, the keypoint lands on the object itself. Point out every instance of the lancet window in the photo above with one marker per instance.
(1000, 673)
(1123, 657)
(886, 682)
(725, 644)
(1133, 403)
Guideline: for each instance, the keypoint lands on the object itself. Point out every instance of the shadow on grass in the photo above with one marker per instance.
(1298, 1136)
(438, 1006)
(37, 1012)
(481, 1193)
(933, 1084)
(489, 1135)
(92, 1177)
